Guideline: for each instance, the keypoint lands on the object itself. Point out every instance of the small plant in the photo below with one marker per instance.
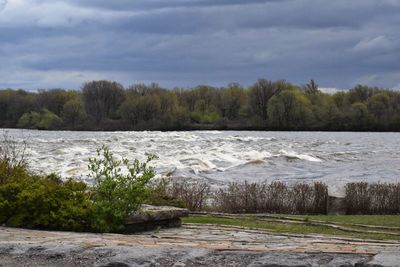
(120, 188)
(157, 230)
(12, 158)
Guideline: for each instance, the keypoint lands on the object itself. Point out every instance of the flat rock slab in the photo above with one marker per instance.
(137, 256)
(156, 213)
(152, 217)
(190, 245)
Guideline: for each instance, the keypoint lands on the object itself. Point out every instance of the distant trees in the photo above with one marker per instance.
(102, 99)
(278, 105)
(290, 110)
(43, 120)
(260, 93)
(360, 117)
(74, 112)
(230, 100)
(14, 103)
(54, 100)
(311, 88)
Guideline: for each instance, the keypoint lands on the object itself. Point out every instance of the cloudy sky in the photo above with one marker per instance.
(63, 43)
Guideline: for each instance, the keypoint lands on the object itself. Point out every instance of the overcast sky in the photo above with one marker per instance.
(63, 43)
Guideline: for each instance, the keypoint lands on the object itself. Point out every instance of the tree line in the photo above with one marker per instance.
(265, 105)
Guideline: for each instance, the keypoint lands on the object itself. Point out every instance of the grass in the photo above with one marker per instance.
(291, 228)
(381, 220)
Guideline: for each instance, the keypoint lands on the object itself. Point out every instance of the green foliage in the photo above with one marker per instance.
(119, 189)
(44, 119)
(74, 112)
(290, 110)
(140, 109)
(206, 117)
(276, 105)
(359, 115)
(45, 203)
(34, 201)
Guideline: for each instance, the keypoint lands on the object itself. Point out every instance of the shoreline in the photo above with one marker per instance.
(191, 245)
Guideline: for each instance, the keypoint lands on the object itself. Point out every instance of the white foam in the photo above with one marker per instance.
(294, 155)
(225, 156)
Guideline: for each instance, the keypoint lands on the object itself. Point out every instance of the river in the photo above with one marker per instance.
(219, 157)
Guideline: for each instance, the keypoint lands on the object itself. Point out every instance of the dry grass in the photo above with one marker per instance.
(365, 198)
(280, 198)
(276, 197)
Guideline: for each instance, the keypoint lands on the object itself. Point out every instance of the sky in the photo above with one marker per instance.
(63, 43)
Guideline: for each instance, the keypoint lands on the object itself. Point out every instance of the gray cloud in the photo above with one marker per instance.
(45, 43)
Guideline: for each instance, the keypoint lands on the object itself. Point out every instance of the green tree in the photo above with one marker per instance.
(360, 117)
(379, 105)
(54, 99)
(230, 101)
(45, 120)
(138, 109)
(290, 110)
(361, 93)
(74, 112)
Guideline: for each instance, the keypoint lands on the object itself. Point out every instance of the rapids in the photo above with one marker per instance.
(219, 157)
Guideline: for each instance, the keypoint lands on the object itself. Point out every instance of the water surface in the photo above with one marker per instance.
(219, 157)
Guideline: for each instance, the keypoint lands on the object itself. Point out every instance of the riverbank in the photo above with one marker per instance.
(191, 245)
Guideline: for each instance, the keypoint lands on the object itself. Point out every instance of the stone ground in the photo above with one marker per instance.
(191, 245)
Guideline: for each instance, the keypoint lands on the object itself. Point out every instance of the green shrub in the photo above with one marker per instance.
(33, 201)
(44, 119)
(206, 118)
(45, 203)
(119, 189)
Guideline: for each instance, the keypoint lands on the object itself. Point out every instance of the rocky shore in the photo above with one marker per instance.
(191, 245)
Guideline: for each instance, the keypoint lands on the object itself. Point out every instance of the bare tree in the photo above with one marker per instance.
(311, 88)
(102, 98)
(260, 93)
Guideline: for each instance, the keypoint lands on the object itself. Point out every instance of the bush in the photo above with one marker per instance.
(365, 198)
(276, 197)
(119, 189)
(183, 193)
(44, 119)
(34, 201)
(192, 194)
(45, 203)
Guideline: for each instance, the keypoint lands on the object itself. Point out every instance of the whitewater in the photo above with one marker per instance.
(220, 157)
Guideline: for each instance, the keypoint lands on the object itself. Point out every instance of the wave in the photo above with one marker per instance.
(223, 156)
(294, 155)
